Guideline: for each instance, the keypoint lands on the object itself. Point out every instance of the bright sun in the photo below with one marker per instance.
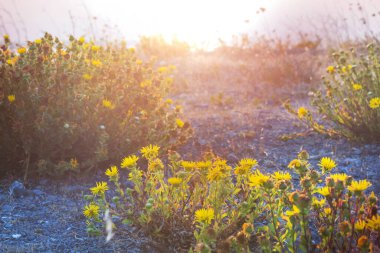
(197, 22)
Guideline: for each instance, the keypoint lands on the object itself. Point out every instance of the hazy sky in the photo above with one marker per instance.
(196, 21)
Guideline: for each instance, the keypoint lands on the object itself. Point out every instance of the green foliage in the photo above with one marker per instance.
(208, 206)
(350, 98)
(65, 107)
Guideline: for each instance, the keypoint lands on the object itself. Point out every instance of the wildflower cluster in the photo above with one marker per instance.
(350, 98)
(210, 206)
(81, 101)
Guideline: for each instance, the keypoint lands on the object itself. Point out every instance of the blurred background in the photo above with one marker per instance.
(200, 23)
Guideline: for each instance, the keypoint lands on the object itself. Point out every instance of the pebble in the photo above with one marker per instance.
(16, 236)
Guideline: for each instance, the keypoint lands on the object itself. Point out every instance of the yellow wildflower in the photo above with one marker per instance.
(179, 123)
(293, 212)
(374, 223)
(327, 211)
(91, 211)
(296, 163)
(216, 174)
(6, 38)
(357, 86)
(11, 98)
(248, 162)
(204, 215)
(155, 165)
(112, 172)
(12, 61)
(325, 191)
(139, 62)
(63, 53)
(100, 188)
(129, 162)
(150, 152)
(242, 170)
(175, 181)
(188, 165)
(359, 186)
(360, 225)
(163, 69)
(204, 165)
(318, 203)
(330, 69)
(81, 40)
(96, 63)
(21, 50)
(247, 229)
(95, 48)
(169, 101)
(327, 164)
(374, 103)
(339, 177)
(278, 175)
(258, 179)
(38, 41)
(302, 112)
(74, 163)
(108, 104)
(87, 76)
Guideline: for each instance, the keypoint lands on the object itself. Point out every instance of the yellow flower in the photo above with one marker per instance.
(150, 152)
(296, 163)
(374, 223)
(6, 38)
(204, 215)
(318, 203)
(216, 174)
(74, 163)
(129, 162)
(330, 69)
(95, 48)
(175, 181)
(63, 53)
(91, 211)
(155, 165)
(242, 170)
(325, 191)
(87, 77)
(169, 101)
(248, 162)
(374, 103)
(139, 62)
(112, 172)
(359, 186)
(247, 229)
(339, 177)
(188, 165)
(81, 40)
(204, 165)
(327, 211)
(278, 175)
(179, 123)
(258, 179)
(360, 225)
(21, 50)
(96, 63)
(12, 61)
(108, 104)
(11, 98)
(357, 86)
(293, 212)
(38, 41)
(163, 69)
(302, 112)
(100, 188)
(327, 164)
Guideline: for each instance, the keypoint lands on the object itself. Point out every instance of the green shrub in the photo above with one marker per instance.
(208, 206)
(350, 98)
(65, 107)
